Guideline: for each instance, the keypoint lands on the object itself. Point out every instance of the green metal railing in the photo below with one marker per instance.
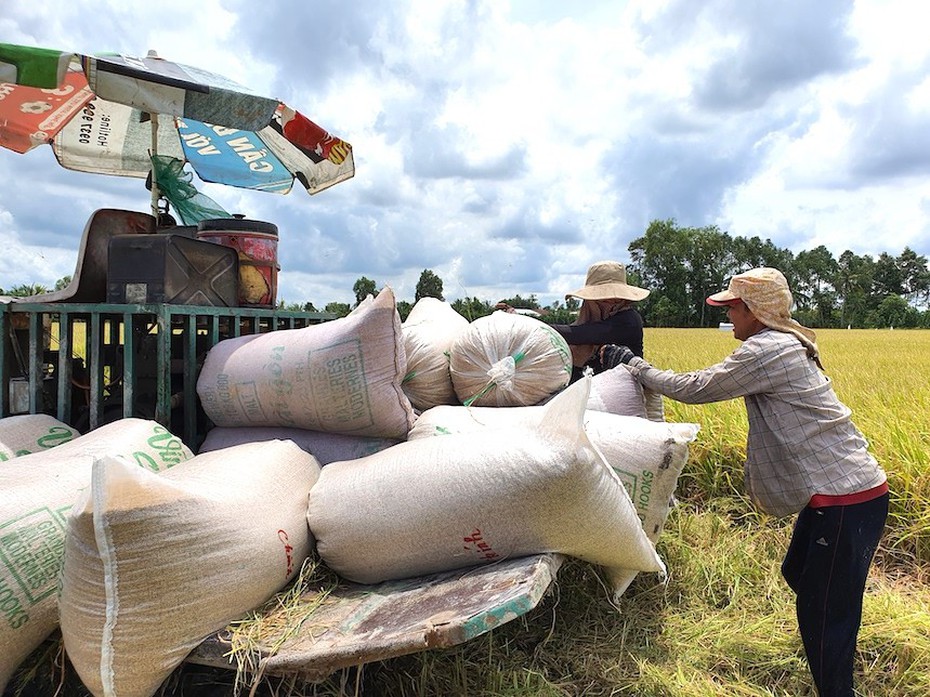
(87, 364)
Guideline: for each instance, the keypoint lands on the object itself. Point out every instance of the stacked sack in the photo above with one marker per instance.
(646, 456)
(38, 492)
(155, 564)
(507, 360)
(434, 504)
(32, 433)
(429, 332)
(342, 376)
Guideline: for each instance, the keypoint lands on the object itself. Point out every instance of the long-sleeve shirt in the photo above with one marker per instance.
(624, 327)
(801, 440)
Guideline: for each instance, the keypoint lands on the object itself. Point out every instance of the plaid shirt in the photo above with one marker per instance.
(801, 438)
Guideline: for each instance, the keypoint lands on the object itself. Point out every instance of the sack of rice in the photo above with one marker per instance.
(617, 392)
(435, 504)
(508, 360)
(429, 331)
(32, 433)
(647, 456)
(340, 377)
(325, 447)
(38, 493)
(153, 565)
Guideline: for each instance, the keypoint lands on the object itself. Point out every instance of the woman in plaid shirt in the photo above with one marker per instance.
(804, 455)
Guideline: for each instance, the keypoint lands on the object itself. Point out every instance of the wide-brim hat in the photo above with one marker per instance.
(606, 280)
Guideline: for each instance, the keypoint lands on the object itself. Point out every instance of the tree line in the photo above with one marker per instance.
(681, 266)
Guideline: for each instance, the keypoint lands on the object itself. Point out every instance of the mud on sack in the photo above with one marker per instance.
(436, 504)
(429, 332)
(38, 493)
(508, 360)
(153, 565)
(342, 376)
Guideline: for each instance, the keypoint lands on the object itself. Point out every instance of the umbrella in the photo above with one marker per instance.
(112, 114)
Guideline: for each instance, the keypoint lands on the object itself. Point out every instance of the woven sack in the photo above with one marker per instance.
(429, 331)
(435, 504)
(38, 491)
(325, 447)
(153, 565)
(32, 433)
(507, 360)
(340, 377)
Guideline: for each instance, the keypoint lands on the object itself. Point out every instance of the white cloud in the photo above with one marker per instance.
(506, 146)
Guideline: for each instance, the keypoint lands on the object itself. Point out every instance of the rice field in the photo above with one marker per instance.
(723, 624)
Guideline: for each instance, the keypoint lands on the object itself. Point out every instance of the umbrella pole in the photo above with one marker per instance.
(153, 152)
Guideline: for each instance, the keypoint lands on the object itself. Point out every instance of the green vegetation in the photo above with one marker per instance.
(723, 625)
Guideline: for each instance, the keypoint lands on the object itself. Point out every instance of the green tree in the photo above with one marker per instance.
(62, 283)
(338, 309)
(530, 303)
(403, 309)
(429, 286)
(24, 290)
(815, 274)
(362, 288)
(472, 308)
(854, 286)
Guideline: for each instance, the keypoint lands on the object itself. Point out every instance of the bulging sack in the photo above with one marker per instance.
(342, 376)
(429, 331)
(508, 360)
(617, 392)
(435, 504)
(38, 491)
(325, 447)
(153, 565)
(647, 456)
(32, 433)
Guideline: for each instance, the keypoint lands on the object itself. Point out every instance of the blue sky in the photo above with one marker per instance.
(507, 145)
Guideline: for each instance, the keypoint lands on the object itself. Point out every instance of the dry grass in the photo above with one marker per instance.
(723, 625)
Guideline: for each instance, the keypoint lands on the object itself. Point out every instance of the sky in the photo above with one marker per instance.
(506, 146)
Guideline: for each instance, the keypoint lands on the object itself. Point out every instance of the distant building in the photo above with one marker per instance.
(726, 327)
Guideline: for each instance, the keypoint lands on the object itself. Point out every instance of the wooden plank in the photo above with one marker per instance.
(358, 624)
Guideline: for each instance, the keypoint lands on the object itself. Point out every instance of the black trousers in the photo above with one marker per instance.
(826, 566)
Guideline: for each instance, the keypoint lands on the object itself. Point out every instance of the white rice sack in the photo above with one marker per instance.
(38, 491)
(434, 504)
(507, 359)
(340, 377)
(429, 331)
(325, 447)
(617, 392)
(32, 433)
(647, 456)
(153, 565)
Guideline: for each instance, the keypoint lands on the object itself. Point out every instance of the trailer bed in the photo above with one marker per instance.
(357, 624)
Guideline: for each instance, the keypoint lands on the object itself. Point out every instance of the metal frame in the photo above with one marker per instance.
(181, 333)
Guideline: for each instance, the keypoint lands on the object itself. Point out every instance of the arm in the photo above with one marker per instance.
(746, 371)
(625, 328)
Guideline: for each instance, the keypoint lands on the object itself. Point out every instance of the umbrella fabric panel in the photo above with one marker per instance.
(233, 157)
(164, 87)
(30, 116)
(111, 138)
(33, 66)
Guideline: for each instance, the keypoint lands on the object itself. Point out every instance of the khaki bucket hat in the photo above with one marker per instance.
(606, 280)
(765, 292)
